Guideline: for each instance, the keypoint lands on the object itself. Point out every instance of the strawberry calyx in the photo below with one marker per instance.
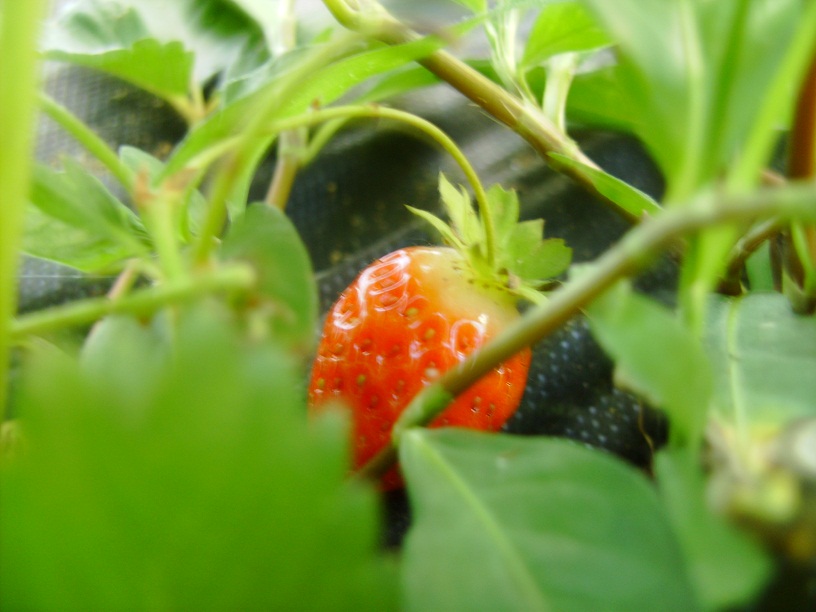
(504, 255)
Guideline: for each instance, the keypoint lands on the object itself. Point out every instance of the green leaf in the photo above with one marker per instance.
(445, 231)
(475, 6)
(656, 356)
(208, 490)
(321, 86)
(596, 98)
(688, 67)
(267, 17)
(726, 566)
(763, 357)
(514, 523)
(164, 70)
(82, 248)
(631, 199)
(287, 296)
(75, 220)
(93, 26)
(398, 82)
(78, 198)
(530, 257)
(562, 27)
(215, 32)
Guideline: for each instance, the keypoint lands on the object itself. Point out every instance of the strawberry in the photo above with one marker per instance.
(416, 312)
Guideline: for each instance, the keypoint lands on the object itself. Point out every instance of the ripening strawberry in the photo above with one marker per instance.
(414, 314)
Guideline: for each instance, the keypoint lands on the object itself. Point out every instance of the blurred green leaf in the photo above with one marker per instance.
(561, 27)
(656, 356)
(163, 69)
(93, 26)
(513, 523)
(78, 198)
(399, 81)
(763, 357)
(726, 566)
(629, 198)
(216, 32)
(287, 295)
(322, 86)
(205, 491)
(689, 66)
(75, 220)
(596, 99)
(475, 6)
(81, 248)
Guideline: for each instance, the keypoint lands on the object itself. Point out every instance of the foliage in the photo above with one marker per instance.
(165, 459)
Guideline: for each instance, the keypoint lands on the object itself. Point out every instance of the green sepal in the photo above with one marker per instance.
(439, 225)
(524, 261)
(464, 221)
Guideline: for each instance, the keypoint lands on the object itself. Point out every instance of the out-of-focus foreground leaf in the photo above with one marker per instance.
(512, 523)
(182, 479)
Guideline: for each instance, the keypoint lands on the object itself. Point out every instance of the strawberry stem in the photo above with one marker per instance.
(246, 150)
(374, 111)
(88, 139)
(372, 19)
(230, 278)
(628, 256)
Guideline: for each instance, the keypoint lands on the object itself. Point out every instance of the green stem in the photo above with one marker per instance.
(19, 26)
(159, 212)
(421, 125)
(635, 250)
(522, 117)
(140, 303)
(745, 247)
(291, 144)
(251, 143)
(88, 139)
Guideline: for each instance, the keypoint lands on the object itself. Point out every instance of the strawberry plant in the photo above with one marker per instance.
(181, 434)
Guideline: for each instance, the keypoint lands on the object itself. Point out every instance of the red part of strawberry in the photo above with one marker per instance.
(404, 321)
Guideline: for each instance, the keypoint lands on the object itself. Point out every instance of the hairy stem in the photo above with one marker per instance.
(19, 26)
(522, 117)
(421, 125)
(143, 302)
(635, 250)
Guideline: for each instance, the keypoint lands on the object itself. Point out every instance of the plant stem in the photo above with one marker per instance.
(635, 250)
(291, 144)
(291, 150)
(240, 165)
(374, 111)
(159, 213)
(88, 139)
(745, 247)
(19, 26)
(143, 302)
(522, 117)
